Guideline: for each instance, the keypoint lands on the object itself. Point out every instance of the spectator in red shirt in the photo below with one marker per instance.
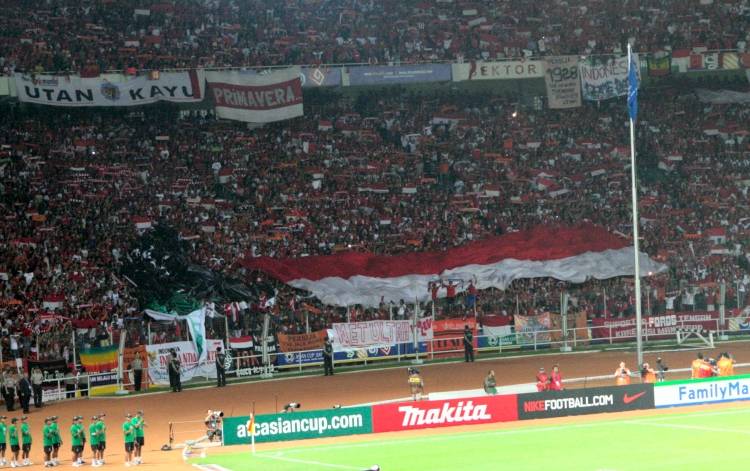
(450, 294)
(434, 290)
(471, 296)
(542, 380)
(555, 379)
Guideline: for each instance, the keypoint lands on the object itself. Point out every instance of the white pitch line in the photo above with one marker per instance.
(438, 438)
(688, 415)
(279, 457)
(521, 431)
(687, 427)
(210, 467)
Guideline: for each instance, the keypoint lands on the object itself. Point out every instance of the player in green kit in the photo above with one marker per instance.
(76, 441)
(3, 439)
(47, 439)
(56, 439)
(102, 437)
(94, 438)
(138, 425)
(25, 441)
(13, 442)
(128, 431)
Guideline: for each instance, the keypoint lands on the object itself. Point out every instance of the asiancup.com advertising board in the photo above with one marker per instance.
(299, 425)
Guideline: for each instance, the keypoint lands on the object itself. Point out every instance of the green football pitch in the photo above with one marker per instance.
(705, 440)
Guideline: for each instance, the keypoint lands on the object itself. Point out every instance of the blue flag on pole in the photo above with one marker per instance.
(632, 86)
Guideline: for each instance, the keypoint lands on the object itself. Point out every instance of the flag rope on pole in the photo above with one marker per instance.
(633, 112)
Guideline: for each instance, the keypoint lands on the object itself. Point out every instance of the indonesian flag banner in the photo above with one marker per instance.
(572, 254)
(256, 98)
(53, 301)
(245, 342)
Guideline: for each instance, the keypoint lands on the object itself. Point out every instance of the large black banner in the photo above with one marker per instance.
(585, 401)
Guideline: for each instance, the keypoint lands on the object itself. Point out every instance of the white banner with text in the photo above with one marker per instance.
(256, 98)
(111, 90)
(159, 356)
(563, 84)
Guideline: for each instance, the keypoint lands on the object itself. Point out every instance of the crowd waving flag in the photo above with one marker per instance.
(572, 254)
(101, 359)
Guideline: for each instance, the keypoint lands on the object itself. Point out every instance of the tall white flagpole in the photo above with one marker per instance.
(636, 244)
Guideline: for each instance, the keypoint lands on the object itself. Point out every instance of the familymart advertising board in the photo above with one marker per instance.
(702, 391)
(299, 425)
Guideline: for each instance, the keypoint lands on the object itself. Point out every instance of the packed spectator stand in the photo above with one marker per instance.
(387, 171)
(98, 36)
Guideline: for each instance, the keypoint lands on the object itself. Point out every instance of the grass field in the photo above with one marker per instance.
(705, 440)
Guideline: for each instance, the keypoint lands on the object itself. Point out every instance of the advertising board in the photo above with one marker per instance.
(299, 425)
(413, 415)
(545, 404)
(702, 391)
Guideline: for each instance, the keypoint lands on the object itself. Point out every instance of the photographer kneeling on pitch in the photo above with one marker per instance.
(213, 424)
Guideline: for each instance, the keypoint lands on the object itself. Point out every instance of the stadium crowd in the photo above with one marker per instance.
(386, 173)
(92, 37)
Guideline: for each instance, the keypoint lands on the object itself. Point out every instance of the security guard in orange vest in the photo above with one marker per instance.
(726, 365)
(648, 375)
(696, 367)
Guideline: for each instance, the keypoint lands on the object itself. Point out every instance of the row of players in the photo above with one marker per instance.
(20, 440)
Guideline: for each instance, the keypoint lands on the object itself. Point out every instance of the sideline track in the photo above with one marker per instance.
(210, 384)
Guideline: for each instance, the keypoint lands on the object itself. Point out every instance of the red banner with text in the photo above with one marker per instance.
(655, 327)
(448, 336)
(413, 415)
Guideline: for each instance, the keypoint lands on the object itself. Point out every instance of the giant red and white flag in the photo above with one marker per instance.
(572, 254)
(256, 98)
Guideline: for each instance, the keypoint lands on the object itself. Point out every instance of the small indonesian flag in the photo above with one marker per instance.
(241, 342)
(53, 301)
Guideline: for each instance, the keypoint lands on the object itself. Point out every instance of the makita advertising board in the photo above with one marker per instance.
(585, 401)
(415, 415)
(702, 391)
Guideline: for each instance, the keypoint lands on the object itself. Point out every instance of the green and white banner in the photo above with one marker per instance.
(299, 425)
(196, 322)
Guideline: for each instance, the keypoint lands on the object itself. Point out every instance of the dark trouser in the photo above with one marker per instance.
(137, 378)
(24, 400)
(10, 399)
(221, 377)
(469, 353)
(174, 381)
(37, 395)
(328, 366)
